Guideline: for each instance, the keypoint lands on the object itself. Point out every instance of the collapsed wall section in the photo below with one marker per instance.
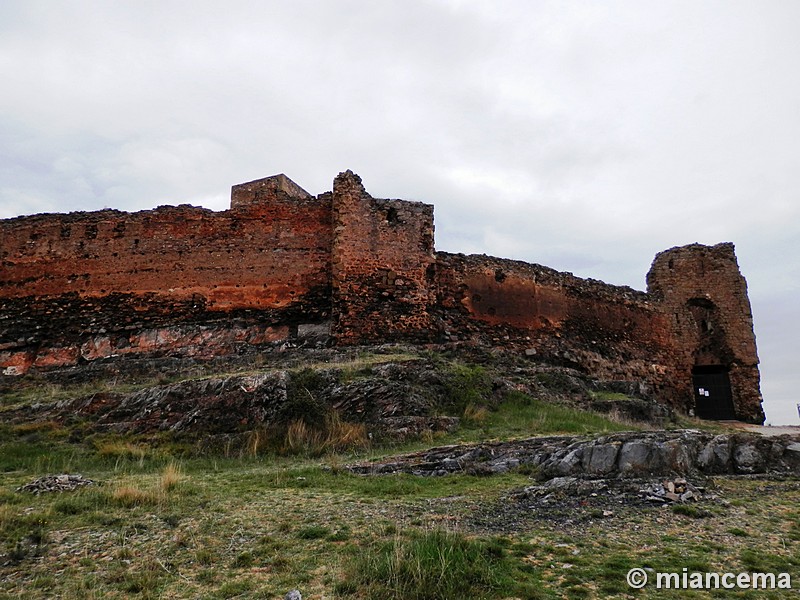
(88, 285)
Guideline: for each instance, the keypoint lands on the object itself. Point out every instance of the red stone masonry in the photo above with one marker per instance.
(282, 264)
(702, 291)
(382, 261)
(173, 280)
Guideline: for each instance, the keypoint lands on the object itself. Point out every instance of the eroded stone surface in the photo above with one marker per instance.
(603, 458)
(396, 401)
(665, 453)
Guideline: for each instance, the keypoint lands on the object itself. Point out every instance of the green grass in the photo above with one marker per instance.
(464, 385)
(738, 531)
(769, 561)
(168, 522)
(794, 526)
(431, 566)
(39, 456)
(313, 532)
(520, 415)
(258, 527)
(690, 510)
(32, 390)
(609, 396)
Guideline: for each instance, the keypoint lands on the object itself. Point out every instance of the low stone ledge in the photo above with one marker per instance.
(630, 454)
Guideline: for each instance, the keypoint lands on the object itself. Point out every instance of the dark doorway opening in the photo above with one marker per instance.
(712, 393)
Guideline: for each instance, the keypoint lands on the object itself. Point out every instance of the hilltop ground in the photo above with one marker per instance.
(247, 477)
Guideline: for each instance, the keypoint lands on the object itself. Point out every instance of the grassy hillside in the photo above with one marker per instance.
(255, 520)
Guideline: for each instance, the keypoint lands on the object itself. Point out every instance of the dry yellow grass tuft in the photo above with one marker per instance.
(121, 449)
(171, 477)
(337, 435)
(301, 438)
(129, 496)
(348, 436)
(475, 414)
(37, 426)
(258, 440)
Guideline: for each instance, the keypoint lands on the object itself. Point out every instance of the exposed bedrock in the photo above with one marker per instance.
(393, 400)
(634, 454)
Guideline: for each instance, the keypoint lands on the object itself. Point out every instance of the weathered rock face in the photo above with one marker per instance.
(634, 454)
(395, 401)
(343, 267)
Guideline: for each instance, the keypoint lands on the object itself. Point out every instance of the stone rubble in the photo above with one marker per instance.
(667, 491)
(672, 490)
(56, 483)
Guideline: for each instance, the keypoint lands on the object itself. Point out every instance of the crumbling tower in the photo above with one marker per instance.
(703, 292)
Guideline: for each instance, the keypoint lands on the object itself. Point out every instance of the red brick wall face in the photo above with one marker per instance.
(606, 331)
(381, 265)
(247, 273)
(258, 257)
(696, 312)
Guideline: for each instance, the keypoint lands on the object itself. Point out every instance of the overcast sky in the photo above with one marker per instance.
(585, 136)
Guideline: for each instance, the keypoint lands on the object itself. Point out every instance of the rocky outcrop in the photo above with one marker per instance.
(395, 400)
(632, 454)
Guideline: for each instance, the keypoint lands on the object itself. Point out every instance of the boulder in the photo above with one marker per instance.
(715, 457)
(791, 454)
(635, 457)
(748, 459)
(571, 463)
(603, 458)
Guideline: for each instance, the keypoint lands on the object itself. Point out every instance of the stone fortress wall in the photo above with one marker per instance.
(345, 268)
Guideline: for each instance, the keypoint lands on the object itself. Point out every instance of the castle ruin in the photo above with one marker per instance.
(344, 268)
